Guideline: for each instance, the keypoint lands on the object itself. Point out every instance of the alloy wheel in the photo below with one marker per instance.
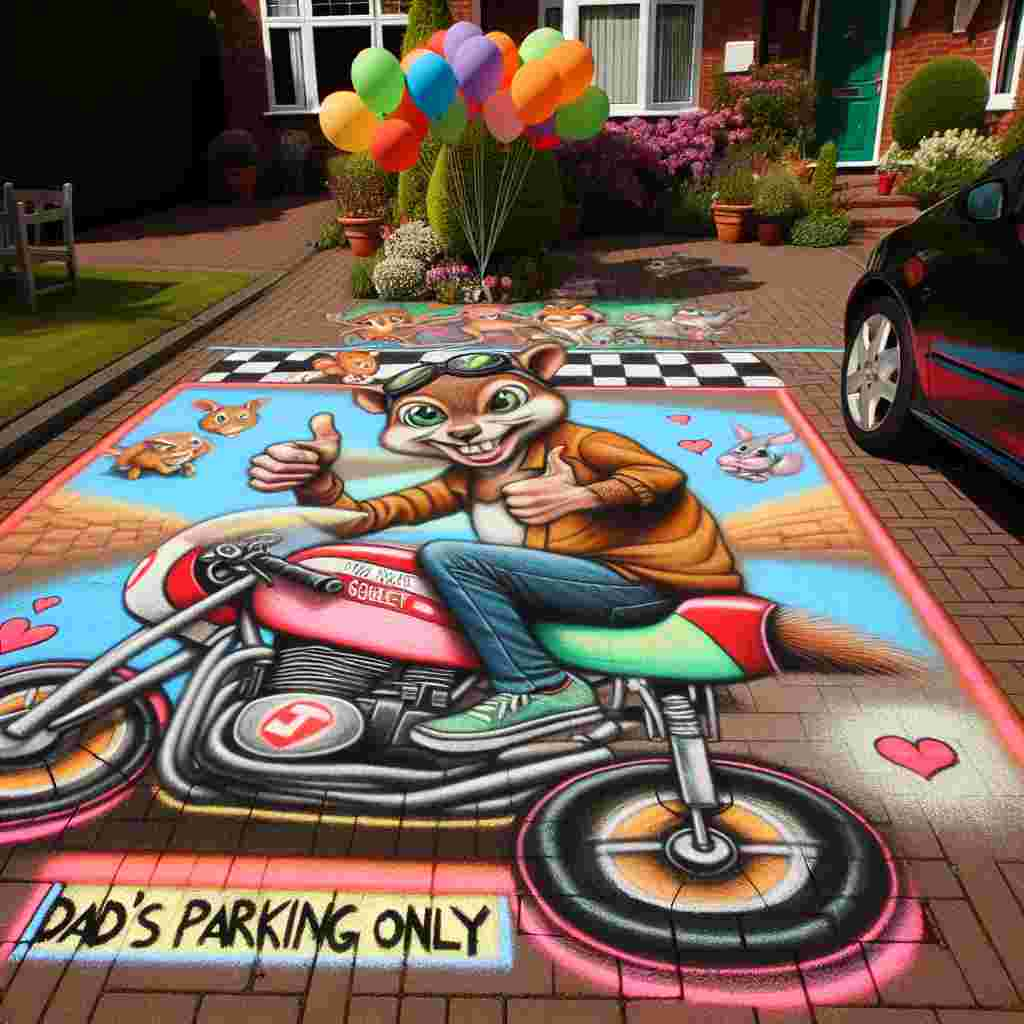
(873, 372)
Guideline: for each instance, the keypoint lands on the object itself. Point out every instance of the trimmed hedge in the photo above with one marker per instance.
(823, 181)
(1013, 138)
(949, 92)
(534, 221)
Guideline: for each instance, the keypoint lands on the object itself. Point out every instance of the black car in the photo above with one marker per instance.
(935, 328)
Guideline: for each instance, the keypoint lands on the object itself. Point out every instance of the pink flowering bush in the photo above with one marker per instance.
(635, 161)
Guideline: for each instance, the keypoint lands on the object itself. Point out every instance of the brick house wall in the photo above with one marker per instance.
(735, 21)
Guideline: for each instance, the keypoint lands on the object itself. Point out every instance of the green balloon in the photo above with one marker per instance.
(584, 118)
(539, 44)
(452, 125)
(378, 80)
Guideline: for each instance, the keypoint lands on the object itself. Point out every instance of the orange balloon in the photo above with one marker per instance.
(509, 56)
(412, 56)
(436, 42)
(575, 64)
(396, 145)
(347, 122)
(408, 111)
(536, 91)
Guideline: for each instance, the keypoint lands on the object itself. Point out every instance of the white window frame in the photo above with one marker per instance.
(648, 23)
(305, 23)
(1005, 100)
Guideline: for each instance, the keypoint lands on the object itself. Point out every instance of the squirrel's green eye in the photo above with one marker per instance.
(508, 399)
(422, 416)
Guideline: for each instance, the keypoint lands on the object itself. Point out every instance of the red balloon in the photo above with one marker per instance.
(396, 145)
(436, 41)
(408, 111)
(546, 142)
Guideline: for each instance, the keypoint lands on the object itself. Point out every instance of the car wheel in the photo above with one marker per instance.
(878, 380)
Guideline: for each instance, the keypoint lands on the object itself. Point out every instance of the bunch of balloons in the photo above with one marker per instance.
(543, 90)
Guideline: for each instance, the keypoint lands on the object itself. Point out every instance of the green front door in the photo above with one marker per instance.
(850, 57)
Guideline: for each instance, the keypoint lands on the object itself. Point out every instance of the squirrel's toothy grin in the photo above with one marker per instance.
(478, 449)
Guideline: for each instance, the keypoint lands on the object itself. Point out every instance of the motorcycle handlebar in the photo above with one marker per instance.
(321, 582)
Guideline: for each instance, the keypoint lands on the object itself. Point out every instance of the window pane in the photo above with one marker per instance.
(1011, 37)
(553, 18)
(334, 49)
(286, 60)
(673, 53)
(613, 34)
(339, 8)
(395, 6)
(393, 36)
(282, 8)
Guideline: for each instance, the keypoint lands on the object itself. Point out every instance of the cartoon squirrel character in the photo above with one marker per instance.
(348, 367)
(229, 420)
(574, 522)
(569, 320)
(163, 453)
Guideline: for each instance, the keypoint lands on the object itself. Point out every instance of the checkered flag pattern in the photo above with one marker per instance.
(648, 369)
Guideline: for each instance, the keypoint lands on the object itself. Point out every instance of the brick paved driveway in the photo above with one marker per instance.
(956, 522)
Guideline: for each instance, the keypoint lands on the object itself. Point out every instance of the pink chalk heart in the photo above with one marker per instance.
(700, 447)
(18, 633)
(927, 757)
(680, 417)
(40, 604)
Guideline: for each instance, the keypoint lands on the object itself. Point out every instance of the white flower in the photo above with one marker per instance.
(398, 277)
(415, 241)
(954, 144)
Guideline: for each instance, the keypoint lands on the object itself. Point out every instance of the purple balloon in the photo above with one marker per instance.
(457, 35)
(479, 67)
(542, 130)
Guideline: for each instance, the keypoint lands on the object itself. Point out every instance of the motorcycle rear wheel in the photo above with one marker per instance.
(90, 768)
(810, 879)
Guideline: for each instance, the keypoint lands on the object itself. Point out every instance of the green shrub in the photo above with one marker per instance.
(360, 187)
(929, 185)
(414, 183)
(425, 18)
(689, 211)
(733, 183)
(775, 195)
(534, 221)
(1013, 138)
(950, 92)
(332, 236)
(362, 277)
(823, 182)
(820, 230)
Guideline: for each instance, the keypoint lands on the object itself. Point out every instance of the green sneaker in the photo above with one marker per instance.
(507, 719)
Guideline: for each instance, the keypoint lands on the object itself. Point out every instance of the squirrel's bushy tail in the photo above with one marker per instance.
(808, 643)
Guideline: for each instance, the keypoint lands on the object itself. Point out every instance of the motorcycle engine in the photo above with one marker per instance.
(392, 695)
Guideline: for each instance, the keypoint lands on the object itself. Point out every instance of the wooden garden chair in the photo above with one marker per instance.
(30, 208)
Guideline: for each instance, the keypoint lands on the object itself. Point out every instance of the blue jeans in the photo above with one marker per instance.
(495, 590)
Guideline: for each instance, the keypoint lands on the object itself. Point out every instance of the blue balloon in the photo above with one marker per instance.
(432, 84)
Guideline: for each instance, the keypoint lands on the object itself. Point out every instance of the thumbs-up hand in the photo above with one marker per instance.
(542, 499)
(283, 467)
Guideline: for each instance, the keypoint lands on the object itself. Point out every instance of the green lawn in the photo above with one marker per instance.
(73, 335)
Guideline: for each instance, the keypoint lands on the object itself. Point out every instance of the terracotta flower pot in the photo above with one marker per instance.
(886, 180)
(363, 234)
(731, 221)
(770, 231)
(242, 181)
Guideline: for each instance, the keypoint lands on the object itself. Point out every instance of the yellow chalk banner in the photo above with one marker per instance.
(167, 924)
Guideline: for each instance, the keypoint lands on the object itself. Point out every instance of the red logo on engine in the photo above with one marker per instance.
(295, 723)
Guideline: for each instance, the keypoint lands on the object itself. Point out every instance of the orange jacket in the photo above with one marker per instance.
(650, 526)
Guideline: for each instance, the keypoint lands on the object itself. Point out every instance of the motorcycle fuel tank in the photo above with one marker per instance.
(386, 607)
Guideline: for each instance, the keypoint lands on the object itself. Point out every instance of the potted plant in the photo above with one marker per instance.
(889, 168)
(231, 158)
(774, 203)
(733, 201)
(361, 190)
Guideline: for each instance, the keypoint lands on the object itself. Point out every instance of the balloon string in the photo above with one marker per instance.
(517, 179)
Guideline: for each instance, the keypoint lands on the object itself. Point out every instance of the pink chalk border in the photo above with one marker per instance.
(972, 675)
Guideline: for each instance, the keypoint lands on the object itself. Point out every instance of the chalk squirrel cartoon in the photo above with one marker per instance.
(229, 420)
(165, 454)
(753, 458)
(574, 522)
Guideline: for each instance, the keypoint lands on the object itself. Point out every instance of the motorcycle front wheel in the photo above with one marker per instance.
(805, 878)
(88, 768)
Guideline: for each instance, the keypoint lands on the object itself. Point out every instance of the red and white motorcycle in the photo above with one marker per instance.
(712, 860)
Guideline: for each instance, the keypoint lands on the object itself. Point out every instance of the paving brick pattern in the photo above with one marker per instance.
(955, 522)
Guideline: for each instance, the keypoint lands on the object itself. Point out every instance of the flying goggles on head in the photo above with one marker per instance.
(468, 364)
